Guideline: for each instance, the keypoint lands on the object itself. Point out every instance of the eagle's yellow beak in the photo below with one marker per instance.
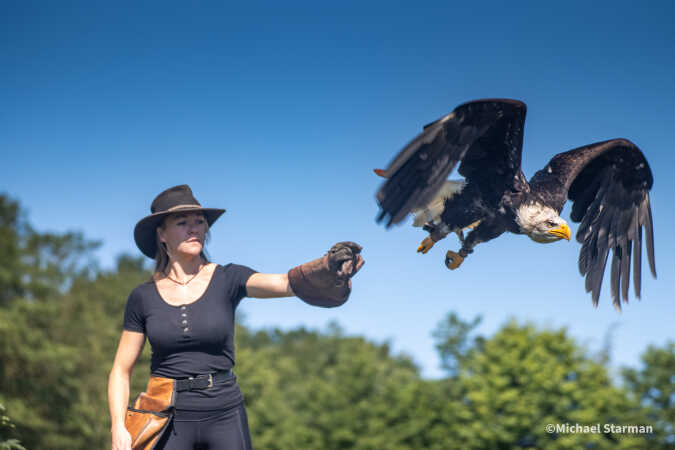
(563, 232)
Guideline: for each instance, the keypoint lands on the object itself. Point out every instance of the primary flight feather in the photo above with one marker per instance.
(608, 183)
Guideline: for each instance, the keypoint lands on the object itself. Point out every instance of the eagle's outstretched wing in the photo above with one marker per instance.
(609, 183)
(485, 135)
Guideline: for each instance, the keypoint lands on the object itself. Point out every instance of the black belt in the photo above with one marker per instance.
(202, 381)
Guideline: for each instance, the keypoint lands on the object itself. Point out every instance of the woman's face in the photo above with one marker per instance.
(183, 233)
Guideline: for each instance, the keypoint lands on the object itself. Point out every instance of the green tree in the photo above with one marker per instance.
(454, 341)
(308, 390)
(59, 326)
(521, 379)
(56, 357)
(38, 265)
(11, 227)
(654, 386)
(6, 431)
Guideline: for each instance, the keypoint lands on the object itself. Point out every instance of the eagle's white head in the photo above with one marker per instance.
(542, 223)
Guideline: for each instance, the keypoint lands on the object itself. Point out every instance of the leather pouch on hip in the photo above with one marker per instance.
(148, 418)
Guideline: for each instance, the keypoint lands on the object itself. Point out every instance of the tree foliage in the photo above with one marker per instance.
(38, 265)
(6, 431)
(524, 379)
(454, 341)
(654, 387)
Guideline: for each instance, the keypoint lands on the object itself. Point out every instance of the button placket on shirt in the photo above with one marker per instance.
(183, 319)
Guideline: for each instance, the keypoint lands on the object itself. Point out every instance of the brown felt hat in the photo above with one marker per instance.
(173, 200)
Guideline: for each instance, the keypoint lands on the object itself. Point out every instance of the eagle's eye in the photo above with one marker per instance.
(550, 223)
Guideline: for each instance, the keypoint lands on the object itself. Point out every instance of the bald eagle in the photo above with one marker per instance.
(608, 183)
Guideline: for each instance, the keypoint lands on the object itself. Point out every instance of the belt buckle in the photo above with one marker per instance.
(210, 378)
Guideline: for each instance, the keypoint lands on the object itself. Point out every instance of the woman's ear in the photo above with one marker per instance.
(160, 236)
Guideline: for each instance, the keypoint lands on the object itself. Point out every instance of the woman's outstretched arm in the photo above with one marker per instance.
(322, 282)
(269, 285)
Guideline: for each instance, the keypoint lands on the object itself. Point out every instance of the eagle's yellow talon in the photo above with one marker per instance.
(453, 260)
(425, 245)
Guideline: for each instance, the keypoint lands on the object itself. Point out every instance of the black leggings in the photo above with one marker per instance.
(212, 430)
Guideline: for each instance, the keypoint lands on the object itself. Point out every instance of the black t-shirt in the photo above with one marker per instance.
(192, 339)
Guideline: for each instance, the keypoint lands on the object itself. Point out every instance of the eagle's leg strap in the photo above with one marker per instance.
(460, 235)
(484, 231)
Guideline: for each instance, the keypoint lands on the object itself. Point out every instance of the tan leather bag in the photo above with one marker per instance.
(151, 413)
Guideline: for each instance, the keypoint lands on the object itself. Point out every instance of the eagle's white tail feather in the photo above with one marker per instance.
(432, 212)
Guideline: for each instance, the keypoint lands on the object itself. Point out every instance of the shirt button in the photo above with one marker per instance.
(184, 315)
(186, 329)
(183, 308)
(184, 322)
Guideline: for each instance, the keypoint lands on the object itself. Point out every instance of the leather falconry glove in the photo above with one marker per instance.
(326, 281)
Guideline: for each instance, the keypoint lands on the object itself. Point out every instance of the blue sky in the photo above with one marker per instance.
(278, 112)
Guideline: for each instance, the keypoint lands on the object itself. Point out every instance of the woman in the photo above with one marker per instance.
(187, 313)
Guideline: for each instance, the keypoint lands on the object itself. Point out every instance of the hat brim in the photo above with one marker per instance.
(145, 230)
